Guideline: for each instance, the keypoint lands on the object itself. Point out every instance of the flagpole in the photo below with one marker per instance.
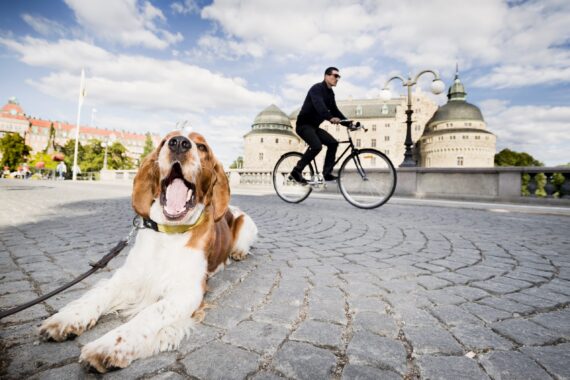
(79, 104)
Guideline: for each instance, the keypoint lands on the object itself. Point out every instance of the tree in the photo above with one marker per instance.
(68, 150)
(46, 158)
(14, 150)
(148, 146)
(92, 160)
(117, 157)
(237, 164)
(507, 157)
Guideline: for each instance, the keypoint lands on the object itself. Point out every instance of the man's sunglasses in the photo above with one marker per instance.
(335, 75)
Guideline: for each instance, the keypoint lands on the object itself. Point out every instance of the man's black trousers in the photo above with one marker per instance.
(316, 138)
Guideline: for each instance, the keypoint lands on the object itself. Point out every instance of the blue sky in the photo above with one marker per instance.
(151, 64)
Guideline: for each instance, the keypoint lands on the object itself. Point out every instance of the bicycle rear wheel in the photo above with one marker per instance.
(287, 188)
(367, 179)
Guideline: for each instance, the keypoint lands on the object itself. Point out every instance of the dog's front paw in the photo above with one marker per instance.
(62, 326)
(238, 255)
(104, 355)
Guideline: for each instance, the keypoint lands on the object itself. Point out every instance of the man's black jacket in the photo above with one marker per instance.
(319, 105)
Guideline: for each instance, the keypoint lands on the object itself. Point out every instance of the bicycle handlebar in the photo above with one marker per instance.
(352, 126)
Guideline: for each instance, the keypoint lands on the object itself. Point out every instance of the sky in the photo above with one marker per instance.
(153, 65)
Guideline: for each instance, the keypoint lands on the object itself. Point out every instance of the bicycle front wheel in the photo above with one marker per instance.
(367, 178)
(287, 188)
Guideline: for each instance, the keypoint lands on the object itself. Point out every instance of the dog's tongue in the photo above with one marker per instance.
(176, 197)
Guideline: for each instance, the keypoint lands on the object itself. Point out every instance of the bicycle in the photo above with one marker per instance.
(366, 178)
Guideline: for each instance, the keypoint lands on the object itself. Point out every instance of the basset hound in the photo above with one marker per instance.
(183, 195)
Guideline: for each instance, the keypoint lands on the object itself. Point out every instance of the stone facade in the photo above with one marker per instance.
(453, 135)
(456, 135)
(36, 132)
(270, 137)
(385, 122)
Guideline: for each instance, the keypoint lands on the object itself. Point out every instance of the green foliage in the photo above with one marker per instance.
(45, 158)
(14, 150)
(148, 146)
(117, 157)
(92, 160)
(507, 157)
(237, 164)
(68, 151)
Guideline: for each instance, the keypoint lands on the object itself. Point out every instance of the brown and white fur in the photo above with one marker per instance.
(163, 281)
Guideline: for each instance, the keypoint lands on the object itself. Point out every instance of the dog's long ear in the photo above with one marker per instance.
(220, 192)
(146, 185)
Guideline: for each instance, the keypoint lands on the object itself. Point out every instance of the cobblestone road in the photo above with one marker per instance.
(329, 292)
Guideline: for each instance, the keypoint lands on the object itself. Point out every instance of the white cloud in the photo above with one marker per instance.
(186, 7)
(44, 26)
(124, 21)
(211, 47)
(134, 81)
(541, 131)
(515, 40)
(319, 28)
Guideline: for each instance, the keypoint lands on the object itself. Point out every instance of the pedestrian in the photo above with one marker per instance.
(61, 170)
(319, 105)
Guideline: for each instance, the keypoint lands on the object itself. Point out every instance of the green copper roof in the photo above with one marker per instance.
(456, 107)
(271, 120)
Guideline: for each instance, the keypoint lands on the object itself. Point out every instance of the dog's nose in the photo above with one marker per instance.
(179, 144)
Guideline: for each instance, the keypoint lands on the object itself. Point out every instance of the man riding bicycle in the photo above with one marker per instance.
(319, 105)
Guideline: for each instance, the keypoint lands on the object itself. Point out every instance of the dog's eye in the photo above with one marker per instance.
(202, 147)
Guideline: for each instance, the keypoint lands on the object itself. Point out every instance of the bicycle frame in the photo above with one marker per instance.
(352, 149)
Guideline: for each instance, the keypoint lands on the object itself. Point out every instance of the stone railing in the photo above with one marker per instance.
(118, 175)
(497, 183)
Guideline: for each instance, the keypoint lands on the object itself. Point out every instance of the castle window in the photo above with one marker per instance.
(386, 138)
(477, 137)
(338, 128)
(384, 109)
(373, 127)
(459, 160)
(276, 141)
(358, 142)
(358, 110)
(387, 125)
(465, 137)
(262, 139)
(387, 151)
(373, 143)
(260, 156)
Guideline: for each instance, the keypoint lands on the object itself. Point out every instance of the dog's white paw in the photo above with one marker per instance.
(65, 325)
(107, 353)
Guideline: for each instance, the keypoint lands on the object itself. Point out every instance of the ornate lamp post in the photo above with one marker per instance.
(437, 87)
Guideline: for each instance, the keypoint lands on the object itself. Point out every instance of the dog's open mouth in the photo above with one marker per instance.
(177, 196)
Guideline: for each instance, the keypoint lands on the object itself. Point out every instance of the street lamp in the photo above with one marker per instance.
(437, 87)
(112, 137)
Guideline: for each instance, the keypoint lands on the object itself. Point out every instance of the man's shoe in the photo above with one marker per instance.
(298, 177)
(330, 177)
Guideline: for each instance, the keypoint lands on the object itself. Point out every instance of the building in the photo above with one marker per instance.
(385, 122)
(453, 135)
(271, 136)
(36, 132)
(457, 135)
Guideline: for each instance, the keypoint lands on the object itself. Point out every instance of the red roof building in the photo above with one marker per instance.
(36, 131)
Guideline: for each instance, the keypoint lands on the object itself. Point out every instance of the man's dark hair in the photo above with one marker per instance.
(329, 70)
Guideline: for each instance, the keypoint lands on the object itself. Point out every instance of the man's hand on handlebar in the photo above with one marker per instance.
(335, 120)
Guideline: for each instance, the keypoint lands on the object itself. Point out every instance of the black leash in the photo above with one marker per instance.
(95, 267)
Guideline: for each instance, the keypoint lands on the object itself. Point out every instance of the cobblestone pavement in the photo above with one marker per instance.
(330, 291)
